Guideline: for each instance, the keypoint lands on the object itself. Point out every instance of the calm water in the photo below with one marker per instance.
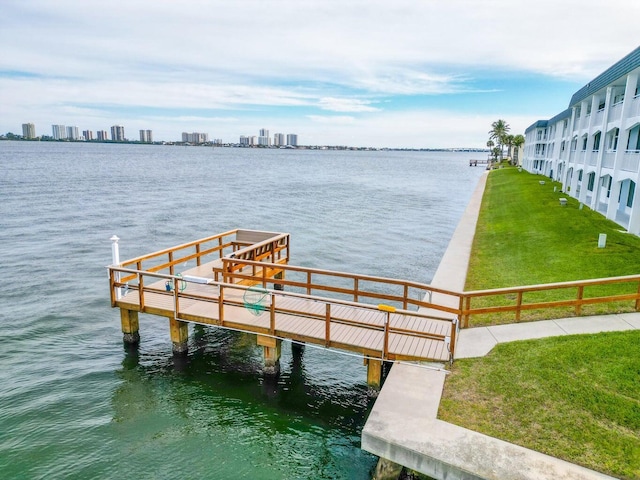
(75, 404)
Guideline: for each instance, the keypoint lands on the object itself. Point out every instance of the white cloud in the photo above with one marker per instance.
(218, 59)
(346, 105)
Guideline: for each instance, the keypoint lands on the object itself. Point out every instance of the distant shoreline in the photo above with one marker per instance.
(237, 145)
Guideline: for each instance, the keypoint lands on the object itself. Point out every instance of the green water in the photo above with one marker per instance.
(75, 404)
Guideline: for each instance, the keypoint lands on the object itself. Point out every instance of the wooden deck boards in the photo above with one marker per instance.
(358, 329)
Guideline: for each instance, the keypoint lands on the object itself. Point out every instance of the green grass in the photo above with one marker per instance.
(524, 237)
(574, 397)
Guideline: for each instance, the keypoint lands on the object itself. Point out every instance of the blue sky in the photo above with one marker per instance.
(401, 73)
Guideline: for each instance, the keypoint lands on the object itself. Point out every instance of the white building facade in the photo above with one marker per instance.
(593, 147)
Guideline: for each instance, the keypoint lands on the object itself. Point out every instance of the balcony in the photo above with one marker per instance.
(631, 161)
(615, 112)
(634, 109)
(609, 159)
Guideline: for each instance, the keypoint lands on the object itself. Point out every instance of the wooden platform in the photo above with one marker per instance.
(351, 326)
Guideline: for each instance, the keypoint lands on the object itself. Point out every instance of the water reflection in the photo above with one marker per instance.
(292, 425)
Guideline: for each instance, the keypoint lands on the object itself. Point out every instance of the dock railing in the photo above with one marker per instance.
(238, 242)
(223, 295)
(619, 293)
(540, 301)
(354, 287)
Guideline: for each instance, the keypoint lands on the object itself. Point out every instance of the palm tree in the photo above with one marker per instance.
(508, 141)
(518, 141)
(498, 132)
(490, 145)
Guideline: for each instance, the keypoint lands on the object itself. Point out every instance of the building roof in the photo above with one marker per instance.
(538, 124)
(610, 75)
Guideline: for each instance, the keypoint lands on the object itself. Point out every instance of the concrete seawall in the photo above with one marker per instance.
(402, 426)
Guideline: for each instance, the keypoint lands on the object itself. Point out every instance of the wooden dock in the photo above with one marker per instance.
(250, 287)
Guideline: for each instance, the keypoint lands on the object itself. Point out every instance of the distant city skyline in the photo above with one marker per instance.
(63, 132)
(361, 73)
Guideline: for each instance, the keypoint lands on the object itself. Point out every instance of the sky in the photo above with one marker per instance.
(395, 73)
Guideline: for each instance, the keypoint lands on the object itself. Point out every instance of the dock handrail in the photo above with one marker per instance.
(356, 291)
(221, 300)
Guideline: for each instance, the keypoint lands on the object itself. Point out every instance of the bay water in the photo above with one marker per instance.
(75, 403)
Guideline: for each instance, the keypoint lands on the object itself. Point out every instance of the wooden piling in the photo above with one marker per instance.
(272, 348)
(130, 326)
(374, 372)
(179, 335)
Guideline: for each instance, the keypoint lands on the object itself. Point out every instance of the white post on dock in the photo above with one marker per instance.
(115, 261)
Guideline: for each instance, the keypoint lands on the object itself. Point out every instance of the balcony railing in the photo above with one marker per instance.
(631, 161)
(608, 159)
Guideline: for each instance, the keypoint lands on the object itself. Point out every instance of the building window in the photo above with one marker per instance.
(612, 143)
(619, 98)
(588, 110)
(601, 105)
(591, 181)
(632, 192)
(596, 141)
(584, 142)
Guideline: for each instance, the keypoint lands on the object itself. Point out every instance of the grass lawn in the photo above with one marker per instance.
(574, 397)
(524, 237)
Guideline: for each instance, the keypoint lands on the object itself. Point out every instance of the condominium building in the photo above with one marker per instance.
(73, 133)
(117, 133)
(146, 136)
(593, 147)
(195, 137)
(278, 139)
(59, 132)
(102, 135)
(28, 130)
(87, 134)
(244, 140)
(292, 139)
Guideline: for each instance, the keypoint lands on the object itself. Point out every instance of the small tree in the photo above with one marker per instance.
(518, 141)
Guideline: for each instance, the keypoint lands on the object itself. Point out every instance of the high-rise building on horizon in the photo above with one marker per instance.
(87, 134)
(117, 133)
(195, 137)
(292, 139)
(73, 133)
(28, 130)
(102, 135)
(244, 140)
(59, 132)
(264, 132)
(146, 136)
(278, 139)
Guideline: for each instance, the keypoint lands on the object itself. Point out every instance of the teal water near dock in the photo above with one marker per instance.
(77, 404)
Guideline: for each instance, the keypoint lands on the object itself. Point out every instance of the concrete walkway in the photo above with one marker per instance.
(402, 426)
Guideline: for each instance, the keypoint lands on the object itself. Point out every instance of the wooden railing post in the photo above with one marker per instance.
(221, 306)
(454, 332)
(141, 291)
(198, 262)
(579, 299)
(171, 263)
(638, 298)
(327, 326)
(405, 303)
(272, 315)
(518, 306)
(355, 289)
(385, 349)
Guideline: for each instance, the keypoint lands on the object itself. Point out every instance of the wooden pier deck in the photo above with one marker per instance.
(331, 323)
(331, 309)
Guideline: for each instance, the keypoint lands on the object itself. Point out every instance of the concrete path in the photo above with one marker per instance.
(479, 341)
(402, 426)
